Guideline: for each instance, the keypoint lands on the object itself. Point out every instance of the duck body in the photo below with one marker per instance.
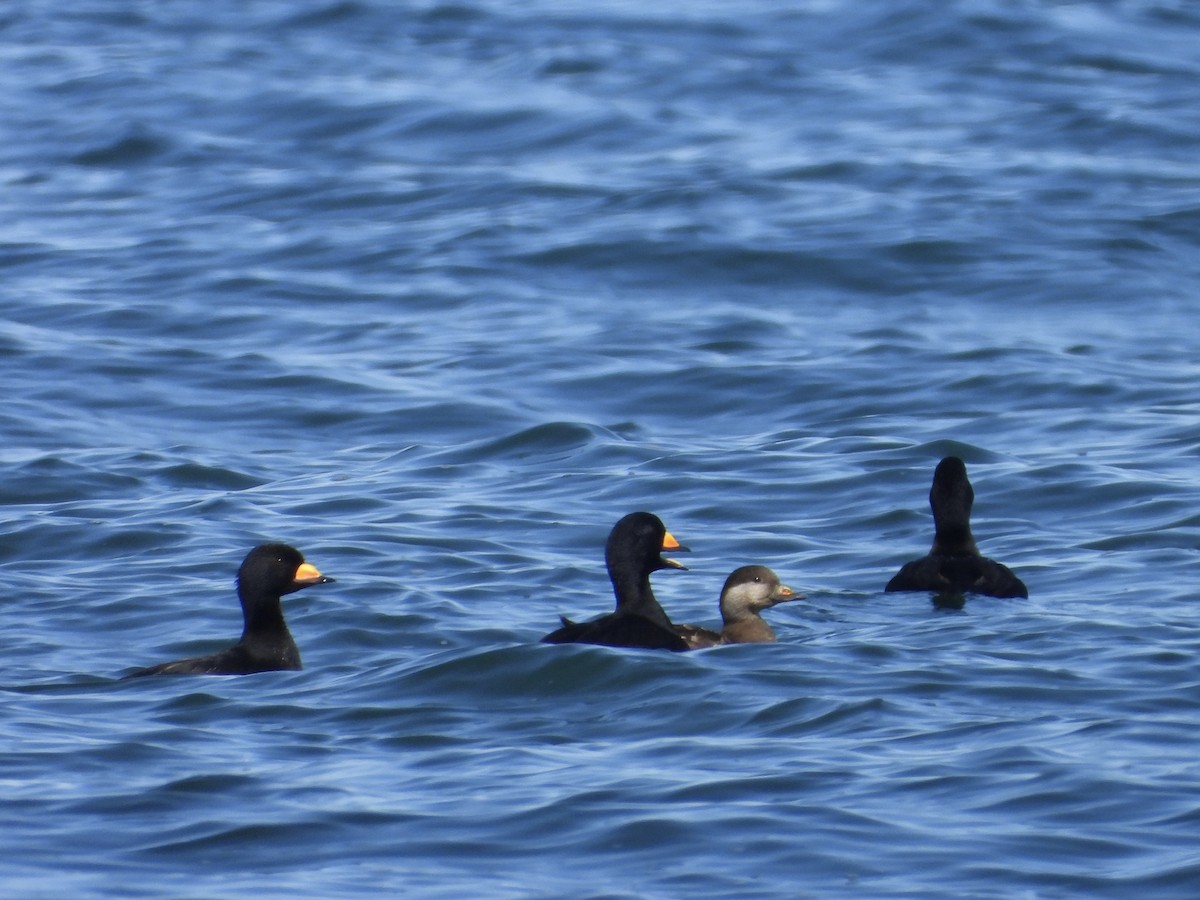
(967, 574)
(267, 573)
(747, 592)
(697, 637)
(281, 655)
(618, 630)
(633, 551)
(954, 563)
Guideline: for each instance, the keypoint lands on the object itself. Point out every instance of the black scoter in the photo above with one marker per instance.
(747, 592)
(634, 550)
(268, 572)
(954, 564)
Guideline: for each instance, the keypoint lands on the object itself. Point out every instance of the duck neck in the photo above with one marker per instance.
(748, 629)
(635, 596)
(264, 621)
(954, 539)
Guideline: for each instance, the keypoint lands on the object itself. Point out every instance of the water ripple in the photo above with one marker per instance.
(438, 297)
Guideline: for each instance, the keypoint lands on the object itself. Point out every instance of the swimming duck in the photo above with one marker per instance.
(268, 572)
(954, 564)
(747, 592)
(634, 550)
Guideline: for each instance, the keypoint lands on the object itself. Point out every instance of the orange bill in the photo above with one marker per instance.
(307, 573)
(670, 543)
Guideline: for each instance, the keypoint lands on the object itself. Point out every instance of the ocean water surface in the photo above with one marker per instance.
(437, 292)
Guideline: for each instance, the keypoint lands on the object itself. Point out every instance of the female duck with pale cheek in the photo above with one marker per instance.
(747, 592)
(268, 572)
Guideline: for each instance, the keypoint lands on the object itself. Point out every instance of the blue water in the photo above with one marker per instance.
(438, 291)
